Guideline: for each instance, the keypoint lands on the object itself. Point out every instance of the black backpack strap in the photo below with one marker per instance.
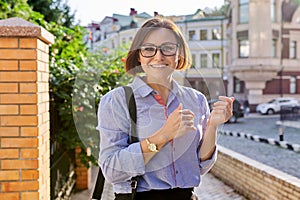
(130, 100)
(98, 190)
(133, 137)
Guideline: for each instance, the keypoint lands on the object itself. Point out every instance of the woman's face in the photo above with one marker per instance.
(159, 65)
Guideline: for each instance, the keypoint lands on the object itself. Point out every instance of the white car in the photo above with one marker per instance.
(274, 105)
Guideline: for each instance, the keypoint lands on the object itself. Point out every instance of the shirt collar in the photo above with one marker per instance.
(142, 89)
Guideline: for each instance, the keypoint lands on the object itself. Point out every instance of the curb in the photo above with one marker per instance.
(283, 144)
(294, 124)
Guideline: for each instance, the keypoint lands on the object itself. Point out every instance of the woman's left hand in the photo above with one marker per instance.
(222, 111)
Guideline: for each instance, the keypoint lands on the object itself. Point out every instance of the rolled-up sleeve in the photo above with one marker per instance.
(118, 159)
(206, 165)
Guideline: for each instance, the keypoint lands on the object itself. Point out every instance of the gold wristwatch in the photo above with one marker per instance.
(151, 146)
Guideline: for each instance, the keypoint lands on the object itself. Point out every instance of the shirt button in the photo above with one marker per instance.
(176, 171)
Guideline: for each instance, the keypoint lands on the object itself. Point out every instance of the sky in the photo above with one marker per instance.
(88, 11)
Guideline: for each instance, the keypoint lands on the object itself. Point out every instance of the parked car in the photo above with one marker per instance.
(237, 110)
(274, 105)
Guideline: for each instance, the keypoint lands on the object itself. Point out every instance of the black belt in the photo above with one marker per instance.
(174, 194)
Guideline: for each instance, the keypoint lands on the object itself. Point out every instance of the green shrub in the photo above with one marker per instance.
(101, 74)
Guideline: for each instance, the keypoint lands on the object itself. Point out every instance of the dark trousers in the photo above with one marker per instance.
(170, 194)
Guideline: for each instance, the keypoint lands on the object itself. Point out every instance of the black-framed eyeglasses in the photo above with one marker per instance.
(150, 50)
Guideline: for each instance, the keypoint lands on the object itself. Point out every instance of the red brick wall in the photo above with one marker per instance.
(24, 114)
(81, 172)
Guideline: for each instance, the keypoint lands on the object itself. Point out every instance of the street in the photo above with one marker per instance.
(264, 126)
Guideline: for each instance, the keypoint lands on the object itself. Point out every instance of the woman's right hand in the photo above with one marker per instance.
(179, 122)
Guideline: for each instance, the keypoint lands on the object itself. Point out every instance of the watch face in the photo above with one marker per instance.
(152, 147)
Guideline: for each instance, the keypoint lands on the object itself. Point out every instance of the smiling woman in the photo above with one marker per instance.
(175, 129)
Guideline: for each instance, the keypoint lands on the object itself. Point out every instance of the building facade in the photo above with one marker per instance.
(116, 30)
(263, 40)
(251, 53)
(207, 41)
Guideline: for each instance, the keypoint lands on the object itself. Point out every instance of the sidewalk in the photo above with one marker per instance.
(287, 123)
(294, 124)
(210, 189)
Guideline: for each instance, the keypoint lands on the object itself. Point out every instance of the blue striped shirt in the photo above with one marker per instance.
(177, 164)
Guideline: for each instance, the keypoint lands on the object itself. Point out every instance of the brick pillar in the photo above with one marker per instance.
(81, 172)
(24, 111)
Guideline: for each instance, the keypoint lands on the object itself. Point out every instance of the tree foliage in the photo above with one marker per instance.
(16, 8)
(222, 11)
(54, 11)
(96, 73)
(101, 73)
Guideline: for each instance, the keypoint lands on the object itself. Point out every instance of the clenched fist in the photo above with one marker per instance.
(222, 111)
(179, 122)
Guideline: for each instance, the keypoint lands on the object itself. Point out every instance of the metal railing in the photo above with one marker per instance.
(62, 163)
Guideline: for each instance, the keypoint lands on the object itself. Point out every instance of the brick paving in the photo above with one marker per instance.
(210, 189)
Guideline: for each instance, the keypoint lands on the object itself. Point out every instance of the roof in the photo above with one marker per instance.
(123, 20)
(133, 21)
(126, 20)
(209, 18)
(143, 15)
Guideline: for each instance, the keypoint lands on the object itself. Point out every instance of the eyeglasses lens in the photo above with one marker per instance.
(165, 49)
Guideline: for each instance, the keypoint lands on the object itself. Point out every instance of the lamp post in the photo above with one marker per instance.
(281, 52)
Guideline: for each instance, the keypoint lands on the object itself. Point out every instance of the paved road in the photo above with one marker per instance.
(264, 126)
(279, 158)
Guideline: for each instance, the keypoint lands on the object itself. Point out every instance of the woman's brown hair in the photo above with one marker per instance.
(132, 64)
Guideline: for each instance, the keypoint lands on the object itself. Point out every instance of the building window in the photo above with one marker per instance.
(237, 85)
(293, 85)
(203, 34)
(243, 11)
(274, 48)
(193, 61)
(293, 47)
(244, 48)
(273, 10)
(216, 34)
(192, 35)
(203, 60)
(216, 60)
